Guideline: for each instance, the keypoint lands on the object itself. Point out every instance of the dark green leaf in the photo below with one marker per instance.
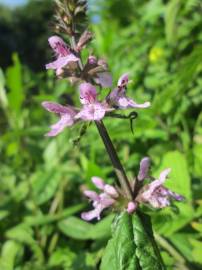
(132, 245)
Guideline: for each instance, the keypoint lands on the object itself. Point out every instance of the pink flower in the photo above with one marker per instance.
(156, 194)
(66, 114)
(63, 54)
(99, 201)
(118, 96)
(92, 110)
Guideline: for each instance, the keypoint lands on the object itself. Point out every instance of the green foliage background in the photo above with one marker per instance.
(41, 179)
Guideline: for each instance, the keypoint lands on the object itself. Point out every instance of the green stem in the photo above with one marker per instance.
(119, 170)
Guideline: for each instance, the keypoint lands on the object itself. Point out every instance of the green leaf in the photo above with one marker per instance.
(9, 252)
(172, 11)
(14, 82)
(45, 184)
(76, 228)
(146, 248)
(179, 178)
(3, 214)
(46, 219)
(62, 257)
(197, 226)
(3, 97)
(189, 68)
(132, 245)
(102, 229)
(24, 234)
(196, 251)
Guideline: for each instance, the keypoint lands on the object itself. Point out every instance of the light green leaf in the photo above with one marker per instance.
(62, 257)
(9, 252)
(3, 97)
(75, 228)
(45, 184)
(46, 219)
(102, 229)
(15, 85)
(24, 234)
(3, 214)
(197, 226)
(196, 251)
(172, 10)
(179, 178)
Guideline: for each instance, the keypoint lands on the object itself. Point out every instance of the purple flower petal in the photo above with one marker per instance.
(59, 46)
(92, 112)
(56, 108)
(118, 96)
(123, 80)
(87, 93)
(110, 190)
(164, 175)
(106, 200)
(98, 182)
(92, 195)
(124, 102)
(62, 62)
(144, 168)
(95, 213)
(65, 121)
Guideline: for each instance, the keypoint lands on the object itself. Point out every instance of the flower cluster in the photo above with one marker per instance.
(153, 194)
(92, 109)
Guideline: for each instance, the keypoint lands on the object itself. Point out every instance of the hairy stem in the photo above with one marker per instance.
(119, 170)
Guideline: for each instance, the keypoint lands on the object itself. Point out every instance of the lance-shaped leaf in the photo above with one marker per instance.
(132, 246)
(120, 250)
(146, 248)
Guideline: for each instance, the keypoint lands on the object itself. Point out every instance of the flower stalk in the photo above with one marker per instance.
(118, 168)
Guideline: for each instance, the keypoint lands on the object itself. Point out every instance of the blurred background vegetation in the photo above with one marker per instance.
(160, 43)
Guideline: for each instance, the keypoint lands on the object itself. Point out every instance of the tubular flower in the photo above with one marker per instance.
(118, 96)
(156, 194)
(92, 110)
(65, 59)
(144, 169)
(132, 206)
(66, 114)
(100, 201)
